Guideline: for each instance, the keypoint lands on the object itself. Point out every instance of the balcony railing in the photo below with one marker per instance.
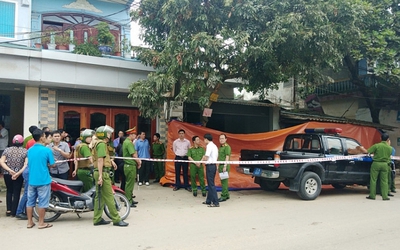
(336, 88)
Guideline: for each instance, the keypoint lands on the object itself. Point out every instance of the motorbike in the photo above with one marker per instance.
(66, 197)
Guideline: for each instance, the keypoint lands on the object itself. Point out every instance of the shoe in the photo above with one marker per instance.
(133, 205)
(134, 202)
(387, 199)
(195, 193)
(21, 216)
(204, 194)
(121, 224)
(393, 191)
(391, 195)
(45, 226)
(140, 183)
(213, 205)
(221, 199)
(8, 213)
(206, 203)
(189, 189)
(370, 198)
(175, 189)
(147, 183)
(133, 196)
(102, 222)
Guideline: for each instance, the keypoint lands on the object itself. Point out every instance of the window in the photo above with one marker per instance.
(7, 19)
(334, 146)
(352, 147)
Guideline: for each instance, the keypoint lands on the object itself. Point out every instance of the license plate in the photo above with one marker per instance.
(257, 172)
(266, 174)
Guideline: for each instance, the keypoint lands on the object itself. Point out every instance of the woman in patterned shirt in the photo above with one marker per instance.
(13, 161)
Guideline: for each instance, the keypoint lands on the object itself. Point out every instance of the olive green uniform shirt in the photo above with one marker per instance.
(196, 153)
(158, 149)
(223, 151)
(382, 152)
(127, 151)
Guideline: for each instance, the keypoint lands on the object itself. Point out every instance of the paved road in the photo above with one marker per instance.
(253, 219)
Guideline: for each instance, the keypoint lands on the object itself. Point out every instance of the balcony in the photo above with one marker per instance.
(341, 87)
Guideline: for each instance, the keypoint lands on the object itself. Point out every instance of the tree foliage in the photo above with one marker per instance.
(198, 45)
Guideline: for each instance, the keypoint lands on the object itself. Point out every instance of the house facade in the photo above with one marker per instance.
(340, 99)
(57, 88)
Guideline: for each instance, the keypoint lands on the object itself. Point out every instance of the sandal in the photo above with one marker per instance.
(30, 226)
(46, 226)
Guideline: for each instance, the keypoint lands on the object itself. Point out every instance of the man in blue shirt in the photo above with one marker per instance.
(40, 159)
(142, 147)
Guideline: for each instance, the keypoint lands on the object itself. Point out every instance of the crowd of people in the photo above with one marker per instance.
(33, 161)
(44, 155)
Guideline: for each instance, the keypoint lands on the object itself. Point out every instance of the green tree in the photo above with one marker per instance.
(198, 45)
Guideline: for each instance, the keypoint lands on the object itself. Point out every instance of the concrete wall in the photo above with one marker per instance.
(22, 24)
(53, 68)
(31, 109)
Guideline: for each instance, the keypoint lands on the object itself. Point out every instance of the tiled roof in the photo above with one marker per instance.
(306, 116)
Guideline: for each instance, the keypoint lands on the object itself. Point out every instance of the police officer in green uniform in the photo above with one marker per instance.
(381, 159)
(158, 151)
(128, 150)
(224, 154)
(196, 153)
(83, 167)
(104, 194)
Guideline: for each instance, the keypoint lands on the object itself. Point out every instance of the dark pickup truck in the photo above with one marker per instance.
(304, 177)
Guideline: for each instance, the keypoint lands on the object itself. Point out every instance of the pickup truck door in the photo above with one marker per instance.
(336, 170)
(359, 166)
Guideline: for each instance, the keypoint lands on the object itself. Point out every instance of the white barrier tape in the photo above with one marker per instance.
(253, 162)
(78, 159)
(257, 162)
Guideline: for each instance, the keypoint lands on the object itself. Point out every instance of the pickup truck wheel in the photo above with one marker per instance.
(269, 185)
(310, 186)
(338, 186)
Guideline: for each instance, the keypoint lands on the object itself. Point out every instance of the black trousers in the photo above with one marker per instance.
(144, 171)
(212, 196)
(13, 192)
(185, 167)
(63, 176)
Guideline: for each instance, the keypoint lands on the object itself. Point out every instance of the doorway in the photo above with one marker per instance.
(72, 118)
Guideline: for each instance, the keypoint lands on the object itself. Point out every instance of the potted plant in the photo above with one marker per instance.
(88, 48)
(72, 40)
(36, 39)
(62, 40)
(105, 38)
(48, 39)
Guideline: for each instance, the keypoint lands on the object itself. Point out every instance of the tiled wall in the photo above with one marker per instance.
(48, 108)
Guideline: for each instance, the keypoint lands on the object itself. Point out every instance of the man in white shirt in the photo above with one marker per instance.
(3, 137)
(211, 157)
(181, 147)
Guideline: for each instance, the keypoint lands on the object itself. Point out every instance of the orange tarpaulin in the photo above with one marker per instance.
(273, 140)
